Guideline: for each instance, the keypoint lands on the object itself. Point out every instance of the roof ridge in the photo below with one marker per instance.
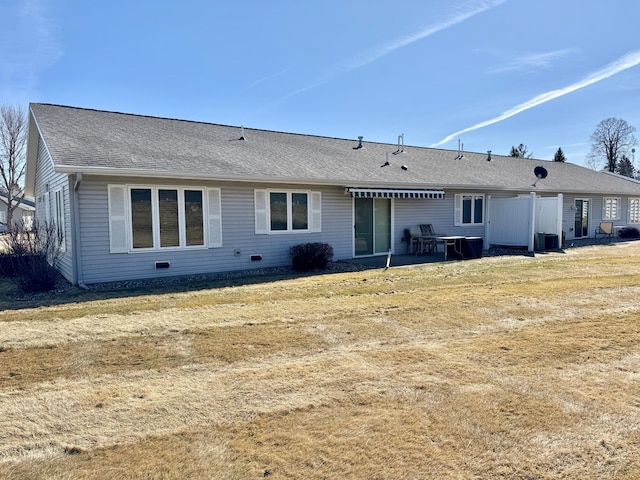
(309, 135)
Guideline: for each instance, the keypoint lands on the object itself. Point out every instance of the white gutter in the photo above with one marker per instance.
(146, 173)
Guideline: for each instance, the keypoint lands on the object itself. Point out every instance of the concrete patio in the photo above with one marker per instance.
(413, 259)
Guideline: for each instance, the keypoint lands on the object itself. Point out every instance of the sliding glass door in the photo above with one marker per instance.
(372, 218)
(581, 227)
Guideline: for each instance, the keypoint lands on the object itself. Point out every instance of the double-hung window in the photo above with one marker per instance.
(469, 209)
(289, 211)
(611, 208)
(281, 211)
(154, 218)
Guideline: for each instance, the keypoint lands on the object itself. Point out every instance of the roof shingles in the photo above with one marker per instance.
(84, 140)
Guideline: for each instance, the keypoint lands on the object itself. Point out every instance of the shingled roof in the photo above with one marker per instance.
(101, 142)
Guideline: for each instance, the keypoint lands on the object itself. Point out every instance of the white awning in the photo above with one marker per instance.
(393, 193)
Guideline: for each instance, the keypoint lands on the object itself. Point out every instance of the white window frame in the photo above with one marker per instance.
(120, 218)
(155, 216)
(458, 210)
(59, 218)
(611, 208)
(263, 211)
(634, 211)
(3, 215)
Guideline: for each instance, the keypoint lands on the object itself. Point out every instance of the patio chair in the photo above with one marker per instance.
(605, 229)
(415, 241)
(428, 237)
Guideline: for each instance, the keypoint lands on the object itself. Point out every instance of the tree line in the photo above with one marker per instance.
(612, 142)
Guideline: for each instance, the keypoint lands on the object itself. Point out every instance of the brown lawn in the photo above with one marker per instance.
(503, 367)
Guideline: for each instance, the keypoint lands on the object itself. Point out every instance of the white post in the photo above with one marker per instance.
(487, 224)
(559, 219)
(532, 220)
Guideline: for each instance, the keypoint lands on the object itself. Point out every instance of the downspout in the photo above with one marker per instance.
(77, 252)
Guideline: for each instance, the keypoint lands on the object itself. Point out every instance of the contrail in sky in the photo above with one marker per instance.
(471, 9)
(623, 63)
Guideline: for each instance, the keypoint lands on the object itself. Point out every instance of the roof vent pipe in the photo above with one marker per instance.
(400, 143)
(359, 143)
(488, 155)
(242, 137)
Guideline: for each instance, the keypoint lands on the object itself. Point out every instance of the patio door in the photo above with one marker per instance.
(581, 227)
(372, 226)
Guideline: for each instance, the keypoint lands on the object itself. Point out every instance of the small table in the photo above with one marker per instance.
(453, 241)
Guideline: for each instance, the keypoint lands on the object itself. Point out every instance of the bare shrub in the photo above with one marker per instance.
(32, 254)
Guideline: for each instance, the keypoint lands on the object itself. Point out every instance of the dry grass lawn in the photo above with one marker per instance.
(503, 367)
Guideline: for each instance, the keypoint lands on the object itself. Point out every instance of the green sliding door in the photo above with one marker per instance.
(372, 226)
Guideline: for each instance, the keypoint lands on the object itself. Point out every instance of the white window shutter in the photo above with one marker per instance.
(606, 208)
(118, 219)
(458, 210)
(634, 211)
(214, 218)
(316, 212)
(260, 198)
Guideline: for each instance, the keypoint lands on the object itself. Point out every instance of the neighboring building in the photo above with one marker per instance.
(24, 213)
(143, 197)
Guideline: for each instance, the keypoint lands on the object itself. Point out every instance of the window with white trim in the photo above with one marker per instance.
(154, 218)
(634, 211)
(469, 209)
(611, 208)
(59, 218)
(3, 215)
(282, 211)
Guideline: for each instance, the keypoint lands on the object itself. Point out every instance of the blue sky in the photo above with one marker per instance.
(492, 73)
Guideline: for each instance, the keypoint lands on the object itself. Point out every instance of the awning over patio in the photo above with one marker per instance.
(393, 193)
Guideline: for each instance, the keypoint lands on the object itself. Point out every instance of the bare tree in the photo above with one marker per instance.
(612, 138)
(13, 140)
(520, 151)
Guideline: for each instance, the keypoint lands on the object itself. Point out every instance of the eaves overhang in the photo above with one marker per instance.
(344, 183)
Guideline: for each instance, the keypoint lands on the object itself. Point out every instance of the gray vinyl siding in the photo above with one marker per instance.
(438, 212)
(45, 174)
(239, 240)
(238, 234)
(410, 212)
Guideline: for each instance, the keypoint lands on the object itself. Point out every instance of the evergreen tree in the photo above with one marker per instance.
(625, 167)
(559, 156)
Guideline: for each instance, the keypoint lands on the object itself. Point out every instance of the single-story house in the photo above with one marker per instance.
(23, 213)
(142, 197)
